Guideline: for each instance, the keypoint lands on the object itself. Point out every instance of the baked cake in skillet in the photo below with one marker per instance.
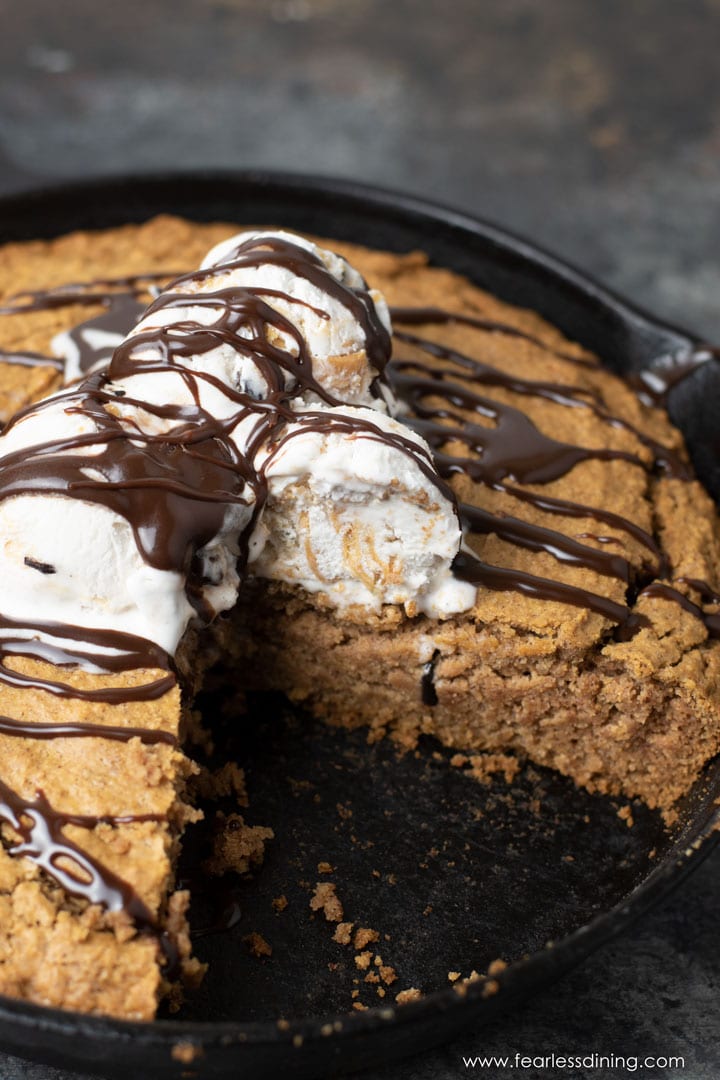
(487, 538)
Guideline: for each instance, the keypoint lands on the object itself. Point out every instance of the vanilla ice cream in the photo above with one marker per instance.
(351, 515)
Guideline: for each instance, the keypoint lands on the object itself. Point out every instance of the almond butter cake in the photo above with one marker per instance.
(416, 508)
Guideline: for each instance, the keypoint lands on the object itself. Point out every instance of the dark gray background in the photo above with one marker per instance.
(594, 127)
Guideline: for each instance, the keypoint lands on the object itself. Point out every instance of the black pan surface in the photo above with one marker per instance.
(451, 873)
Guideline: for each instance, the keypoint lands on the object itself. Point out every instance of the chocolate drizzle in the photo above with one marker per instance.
(31, 359)
(708, 594)
(98, 291)
(428, 693)
(502, 579)
(567, 508)
(89, 339)
(35, 730)
(505, 445)
(40, 828)
(537, 538)
(112, 650)
(518, 428)
(172, 488)
(93, 341)
(653, 384)
(662, 591)
(418, 316)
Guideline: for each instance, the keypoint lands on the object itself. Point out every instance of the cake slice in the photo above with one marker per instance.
(573, 622)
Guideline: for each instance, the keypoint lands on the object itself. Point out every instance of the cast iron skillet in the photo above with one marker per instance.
(455, 874)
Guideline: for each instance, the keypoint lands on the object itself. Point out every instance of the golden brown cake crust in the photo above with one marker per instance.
(546, 679)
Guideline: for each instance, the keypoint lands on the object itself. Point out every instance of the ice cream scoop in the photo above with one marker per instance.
(353, 510)
(329, 322)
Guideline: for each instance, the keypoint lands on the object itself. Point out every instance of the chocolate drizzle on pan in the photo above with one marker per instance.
(173, 489)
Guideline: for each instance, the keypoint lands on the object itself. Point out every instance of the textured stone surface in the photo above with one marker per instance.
(594, 128)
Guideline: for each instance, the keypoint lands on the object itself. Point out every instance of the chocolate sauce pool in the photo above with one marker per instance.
(173, 489)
